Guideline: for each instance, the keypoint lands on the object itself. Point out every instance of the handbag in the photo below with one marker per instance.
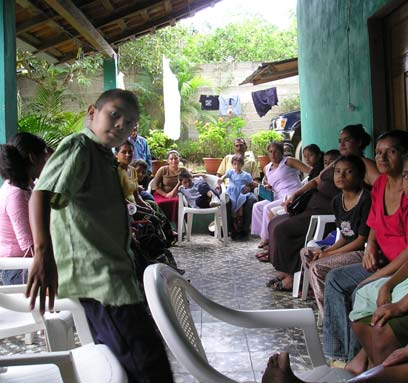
(298, 205)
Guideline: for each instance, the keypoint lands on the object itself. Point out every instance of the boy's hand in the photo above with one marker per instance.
(396, 357)
(42, 280)
(385, 312)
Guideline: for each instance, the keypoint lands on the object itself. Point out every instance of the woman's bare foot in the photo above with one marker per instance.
(278, 370)
(358, 364)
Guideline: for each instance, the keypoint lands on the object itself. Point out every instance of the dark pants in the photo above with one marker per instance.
(14, 277)
(203, 202)
(248, 205)
(131, 335)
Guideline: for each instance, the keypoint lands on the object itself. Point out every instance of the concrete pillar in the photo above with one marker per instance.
(8, 83)
(110, 73)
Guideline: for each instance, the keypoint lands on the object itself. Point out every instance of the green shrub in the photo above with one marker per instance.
(216, 139)
(159, 144)
(260, 141)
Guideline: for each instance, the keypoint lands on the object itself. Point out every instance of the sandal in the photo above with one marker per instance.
(278, 286)
(262, 244)
(273, 281)
(261, 255)
(264, 257)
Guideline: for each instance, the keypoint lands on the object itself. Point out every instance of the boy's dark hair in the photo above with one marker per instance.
(140, 163)
(127, 96)
(184, 174)
(313, 148)
(400, 137)
(127, 143)
(333, 153)
(237, 158)
(359, 134)
(278, 145)
(15, 163)
(357, 163)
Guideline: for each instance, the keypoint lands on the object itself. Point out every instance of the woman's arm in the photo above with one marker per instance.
(158, 181)
(371, 171)
(298, 165)
(17, 210)
(341, 246)
(312, 184)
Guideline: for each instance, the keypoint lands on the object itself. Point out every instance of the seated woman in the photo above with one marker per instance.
(287, 233)
(165, 186)
(281, 176)
(128, 174)
(382, 304)
(21, 162)
(351, 208)
(313, 157)
(386, 241)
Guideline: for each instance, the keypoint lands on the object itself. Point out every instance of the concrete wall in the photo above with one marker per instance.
(223, 79)
(323, 69)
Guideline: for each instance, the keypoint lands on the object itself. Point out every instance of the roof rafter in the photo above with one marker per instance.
(75, 17)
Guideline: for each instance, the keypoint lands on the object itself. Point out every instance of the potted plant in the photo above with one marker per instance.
(259, 144)
(159, 145)
(216, 140)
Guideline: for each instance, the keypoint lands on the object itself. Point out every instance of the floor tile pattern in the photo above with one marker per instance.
(234, 277)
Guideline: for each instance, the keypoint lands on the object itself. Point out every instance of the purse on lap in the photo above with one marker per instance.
(298, 205)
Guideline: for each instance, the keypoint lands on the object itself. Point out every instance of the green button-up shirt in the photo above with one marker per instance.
(89, 223)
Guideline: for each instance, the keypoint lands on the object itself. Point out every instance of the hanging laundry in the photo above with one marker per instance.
(209, 102)
(230, 105)
(264, 100)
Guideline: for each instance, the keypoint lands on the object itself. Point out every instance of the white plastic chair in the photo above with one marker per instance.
(220, 214)
(315, 232)
(58, 327)
(89, 363)
(167, 292)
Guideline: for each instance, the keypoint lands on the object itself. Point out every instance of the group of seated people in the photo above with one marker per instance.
(359, 281)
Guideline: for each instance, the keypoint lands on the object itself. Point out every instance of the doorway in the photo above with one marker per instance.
(388, 31)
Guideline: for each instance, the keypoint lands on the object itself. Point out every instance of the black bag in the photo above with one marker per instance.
(298, 205)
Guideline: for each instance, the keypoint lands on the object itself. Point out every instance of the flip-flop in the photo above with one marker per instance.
(278, 286)
(262, 244)
(273, 281)
(264, 257)
(261, 255)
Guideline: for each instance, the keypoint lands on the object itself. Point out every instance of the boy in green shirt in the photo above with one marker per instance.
(82, 239)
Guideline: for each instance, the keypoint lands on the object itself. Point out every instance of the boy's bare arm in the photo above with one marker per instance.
(43, 276)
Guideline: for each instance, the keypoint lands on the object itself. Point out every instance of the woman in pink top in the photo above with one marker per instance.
(21, 161)
(281, 176)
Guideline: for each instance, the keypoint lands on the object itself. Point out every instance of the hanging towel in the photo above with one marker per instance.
(209, 102)
(230, 105)
(264, 100)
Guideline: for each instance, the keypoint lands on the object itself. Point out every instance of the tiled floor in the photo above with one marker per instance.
(231, 276)
(234, 277)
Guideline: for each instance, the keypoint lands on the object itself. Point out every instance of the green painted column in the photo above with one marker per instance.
(8, 83)
(110, 73)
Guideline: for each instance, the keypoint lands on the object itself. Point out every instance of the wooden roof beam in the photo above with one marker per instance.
(74, 16)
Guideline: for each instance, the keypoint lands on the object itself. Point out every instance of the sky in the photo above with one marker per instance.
(225, 11)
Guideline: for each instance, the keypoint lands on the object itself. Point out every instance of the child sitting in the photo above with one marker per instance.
(197, 192)
(141, 168)
(351, 209)
(239, 189)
